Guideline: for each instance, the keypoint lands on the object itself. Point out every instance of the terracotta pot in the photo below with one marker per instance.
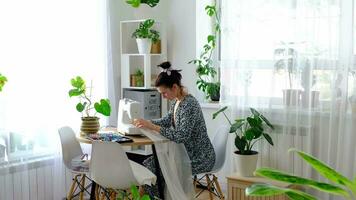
(156, 47)
(90, 125)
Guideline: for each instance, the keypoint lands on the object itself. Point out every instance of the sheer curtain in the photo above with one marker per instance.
(293, 61)
(45, 43)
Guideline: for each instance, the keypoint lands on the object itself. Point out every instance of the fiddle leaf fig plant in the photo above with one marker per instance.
(145, 30)
(340, 185)
(137, 3)
(3, 80)
(248, 130)
(80, 90)
(204, 64)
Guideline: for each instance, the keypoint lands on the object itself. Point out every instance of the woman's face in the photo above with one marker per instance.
(168, 93)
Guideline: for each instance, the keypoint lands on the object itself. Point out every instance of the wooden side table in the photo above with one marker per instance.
(237, 184)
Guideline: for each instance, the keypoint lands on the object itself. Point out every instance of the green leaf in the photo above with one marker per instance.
(151, 3)
(3, 80)
(75, 92)
(219, 111)
(134, 3)
(326, 170)
(266, 121)
(236, 126)
(78, 82)
(145, 197)
(261, 190)
(240, 143)
(210, 10)
(80, 107)
(134, 192)
(282, 176)
(249, 134)
(211, 38)
(103, 107)
(268, 138)
(254, 112)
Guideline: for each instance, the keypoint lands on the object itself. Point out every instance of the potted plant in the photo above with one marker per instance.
(3, 80)
(247, 132)
(340, 185)
(205, 66)
(287, 61)
(144, 34)
(90, 123)
(137, 79)
(135, 194)
(156, 42)
(136, 3)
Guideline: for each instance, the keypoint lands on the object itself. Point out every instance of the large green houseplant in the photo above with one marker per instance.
(205, 68)
(247, 132)
(145, 35)
(3, 80)
(90, 123)
(340, 185)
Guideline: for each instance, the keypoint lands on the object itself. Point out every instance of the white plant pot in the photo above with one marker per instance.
(144, 45)
(310, 99)
(246, 164)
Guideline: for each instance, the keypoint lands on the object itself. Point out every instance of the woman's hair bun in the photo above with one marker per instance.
(165, 65)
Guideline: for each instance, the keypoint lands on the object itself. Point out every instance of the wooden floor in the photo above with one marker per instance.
(205, 196)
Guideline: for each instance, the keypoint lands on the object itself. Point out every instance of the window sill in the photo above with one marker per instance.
(210, 105)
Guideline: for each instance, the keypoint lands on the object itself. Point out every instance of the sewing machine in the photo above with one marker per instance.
(128, 110)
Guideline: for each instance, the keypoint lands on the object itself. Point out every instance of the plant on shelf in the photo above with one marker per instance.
(342, 186)
(138, 79)
(90, 123)
(247, 132)
(137, 3)
(145, 35)
(205, 65)
(3, 80)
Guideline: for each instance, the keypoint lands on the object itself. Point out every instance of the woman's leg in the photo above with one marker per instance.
(153, 190)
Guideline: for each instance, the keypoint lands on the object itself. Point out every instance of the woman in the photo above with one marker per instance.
(184, 123)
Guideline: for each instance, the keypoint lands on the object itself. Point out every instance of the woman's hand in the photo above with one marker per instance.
(141, 123)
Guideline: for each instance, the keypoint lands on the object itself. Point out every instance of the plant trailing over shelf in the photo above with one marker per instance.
(248, 131)
(145, 31)
(137, 3)
(3, 80)
(79, 89)
(205, 65)
(342, 186)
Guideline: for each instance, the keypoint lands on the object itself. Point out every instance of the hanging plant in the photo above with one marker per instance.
(136, 3)
(205, 65)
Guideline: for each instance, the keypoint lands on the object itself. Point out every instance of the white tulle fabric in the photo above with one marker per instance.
(175, 166)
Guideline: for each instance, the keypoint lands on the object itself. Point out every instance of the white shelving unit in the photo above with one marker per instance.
(131, 60)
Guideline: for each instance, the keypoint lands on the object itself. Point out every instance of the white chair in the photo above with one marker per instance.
(219, 144)
(71, 151)
(111, 169)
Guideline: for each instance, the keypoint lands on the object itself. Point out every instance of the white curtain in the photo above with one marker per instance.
(293, 61)
(45, 43)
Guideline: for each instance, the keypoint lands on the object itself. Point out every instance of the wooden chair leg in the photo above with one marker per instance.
(209, 186)
(82, 183)
(102, 195)
(215, 180)
(97, 192)
(71, 190)
(195, 182)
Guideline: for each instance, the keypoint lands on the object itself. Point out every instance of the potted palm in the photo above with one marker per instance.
(338, 184)
(3, 80)
(247, 132)
(90, 123)
(144, 34)
(137, 79)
